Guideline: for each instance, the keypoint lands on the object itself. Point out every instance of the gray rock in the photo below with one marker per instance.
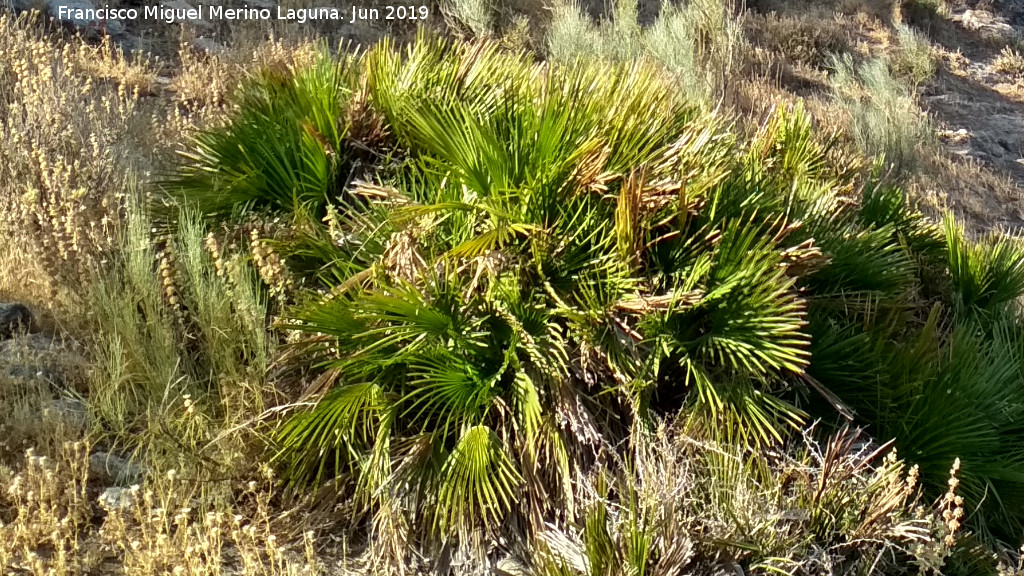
(985, 21)
(128, 43)
(72, 412)
(31, 344)
(71, 17)
(116, 498)
(14, 318)
(112, 469)
(208, 46)
(509, 566)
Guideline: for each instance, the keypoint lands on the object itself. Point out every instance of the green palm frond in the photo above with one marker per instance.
(477, 481)
(987, 276)
(334, 435)
(864, 262)
(445, 393)
(285, 149)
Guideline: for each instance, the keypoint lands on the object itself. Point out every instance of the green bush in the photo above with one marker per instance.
(913, 59)
(285, 149)
(551, 256)
(183, 352)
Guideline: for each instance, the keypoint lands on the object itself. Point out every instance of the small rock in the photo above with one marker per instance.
(30, 344)
(112, 469)
(986, 21)
(509, 566)
(72, 412)
(116, 498)
(954, 136)
(14, 318)
(209, 46)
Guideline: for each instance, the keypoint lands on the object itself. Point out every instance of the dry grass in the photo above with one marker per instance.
(682, 493)
(680, 496)
(885, 120)
(63, 158)
(983, 197)
(923, 14)
(799, 38)
(1009, 61)
(913, 59)
(48, 526)
(203, 82)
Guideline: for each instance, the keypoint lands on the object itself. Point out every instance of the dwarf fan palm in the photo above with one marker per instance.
(550, 254)
(285, 149)
(511, 323)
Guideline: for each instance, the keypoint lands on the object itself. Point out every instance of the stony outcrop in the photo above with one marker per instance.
(14, 319)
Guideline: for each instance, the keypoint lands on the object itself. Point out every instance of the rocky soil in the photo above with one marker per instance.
(981, 107)
(33, 359)
(977, 104)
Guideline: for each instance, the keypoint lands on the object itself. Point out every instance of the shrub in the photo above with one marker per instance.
(552, 256)
(923, 14)
(573, 35)
(799, 38)
(1009, 61)
(65, 142)
(286, 149)
(913, 59)
(165, 526)
(673, 499)
(477, 16)
(886, 121)
(700, 44)
(182, 349)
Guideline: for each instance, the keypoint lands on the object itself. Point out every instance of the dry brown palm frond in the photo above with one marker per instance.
(804, 258)
(375, 192)
(640, 304)
(365, 124)
(590, 174)
(402, 259)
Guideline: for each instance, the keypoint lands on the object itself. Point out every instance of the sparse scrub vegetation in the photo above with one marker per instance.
(454, 306)
(63, 158)
(477, 16)
(799, 39)
(1009, 61)
(700, 43)
(913, 58)
(151, 529)
(922, 13)
(885, 120)
(184, 352)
